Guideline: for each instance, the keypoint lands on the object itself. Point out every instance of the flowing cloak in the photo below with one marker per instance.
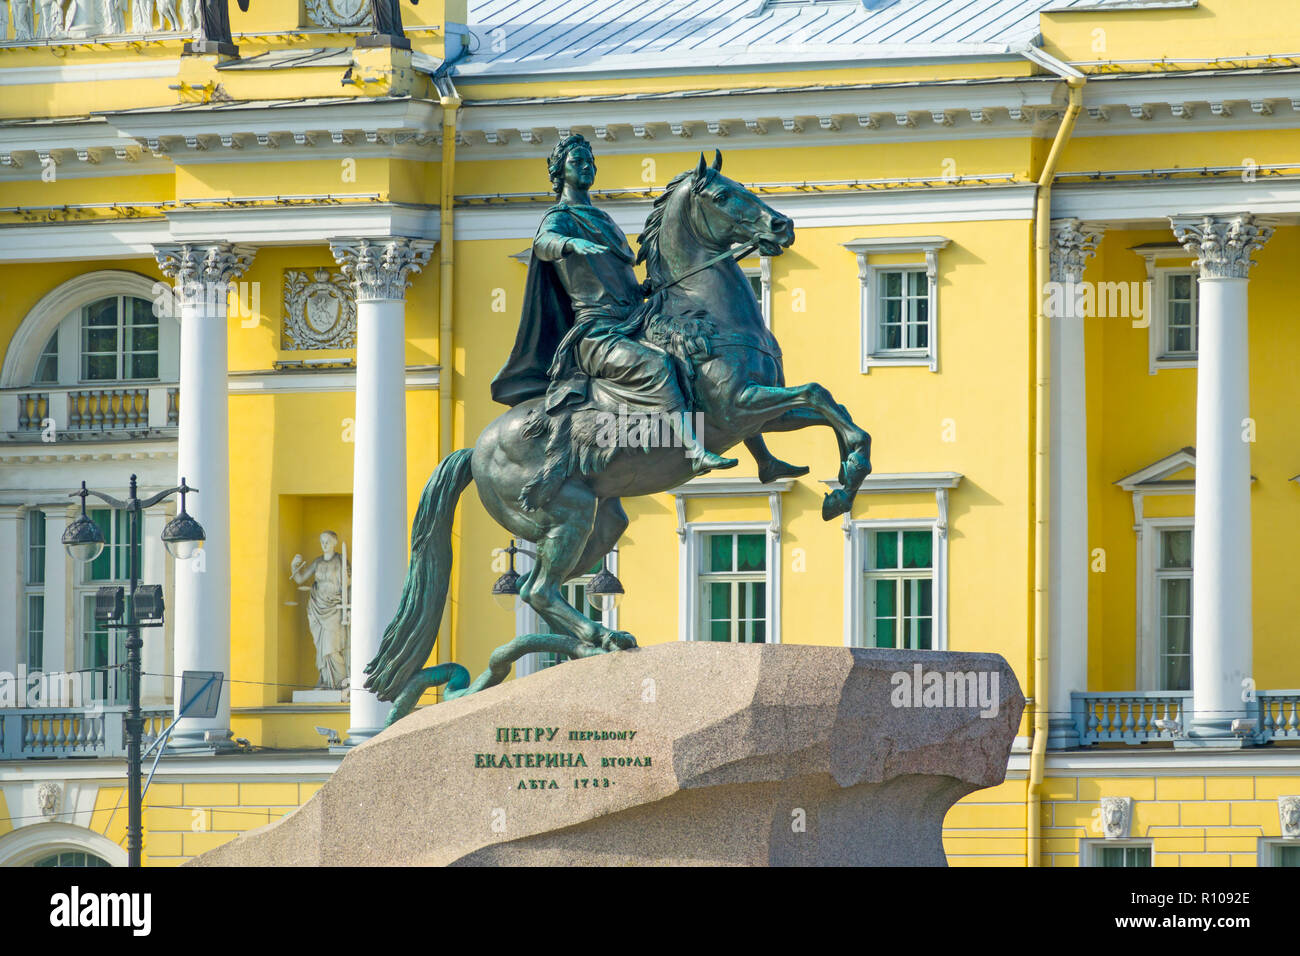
(552, 324)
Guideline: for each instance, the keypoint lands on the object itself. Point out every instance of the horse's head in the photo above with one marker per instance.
(728, 214)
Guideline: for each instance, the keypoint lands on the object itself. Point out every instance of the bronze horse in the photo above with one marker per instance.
(738, 385)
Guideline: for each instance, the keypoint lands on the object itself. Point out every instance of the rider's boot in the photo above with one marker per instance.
(702, 460)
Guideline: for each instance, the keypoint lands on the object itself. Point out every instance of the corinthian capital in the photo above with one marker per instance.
(199, 269)
(1222, 245)
(378, 267)
(1073, 244)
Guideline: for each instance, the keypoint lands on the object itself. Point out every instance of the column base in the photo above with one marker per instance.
(356, 737)
(1062, 734)
(1214, 734)
(201, 743)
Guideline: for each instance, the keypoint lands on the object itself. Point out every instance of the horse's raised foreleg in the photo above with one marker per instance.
(855, 465)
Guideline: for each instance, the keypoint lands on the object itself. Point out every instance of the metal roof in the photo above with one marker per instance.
(548, 36)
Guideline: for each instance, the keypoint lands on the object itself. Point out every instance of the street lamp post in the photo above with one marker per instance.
(83, 540)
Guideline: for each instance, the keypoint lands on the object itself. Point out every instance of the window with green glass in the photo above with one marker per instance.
(103, 649)
(1174, 594)
(904, 310)
(1123, 856)
(899, 589)
(34, 571)
(119, 340)
(733, 587)
(1286, 854)
(1180, 315)
(111, 565)
(35, 631)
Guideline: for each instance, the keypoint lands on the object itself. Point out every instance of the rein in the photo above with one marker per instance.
(738, 252)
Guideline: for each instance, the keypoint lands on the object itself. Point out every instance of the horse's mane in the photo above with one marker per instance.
(648, 241)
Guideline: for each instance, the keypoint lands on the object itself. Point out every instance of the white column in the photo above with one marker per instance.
(60, 616)
(154, 657)
(1222, 635)
(1073, 243)
(13, 553)
(202, 274)
(378, 269)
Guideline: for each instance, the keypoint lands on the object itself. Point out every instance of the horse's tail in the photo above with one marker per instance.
(410, 636)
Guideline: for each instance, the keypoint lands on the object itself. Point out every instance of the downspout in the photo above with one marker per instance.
(450, 101)
(1038, 690)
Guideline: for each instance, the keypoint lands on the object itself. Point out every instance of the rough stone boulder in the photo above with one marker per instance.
(679, 753)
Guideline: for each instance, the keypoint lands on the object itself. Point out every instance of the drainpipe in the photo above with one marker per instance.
(1038, 688)
(450, 102)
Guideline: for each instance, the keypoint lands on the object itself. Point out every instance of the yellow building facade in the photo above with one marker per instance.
(1019, 227)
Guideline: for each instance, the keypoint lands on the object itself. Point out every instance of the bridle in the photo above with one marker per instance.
(735, 252)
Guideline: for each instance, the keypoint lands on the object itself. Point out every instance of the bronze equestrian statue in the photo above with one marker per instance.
(590, 343)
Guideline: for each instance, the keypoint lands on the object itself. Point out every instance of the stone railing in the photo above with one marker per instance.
(1279, 715)
(34, 732)
(1130, 717)
(112, 412)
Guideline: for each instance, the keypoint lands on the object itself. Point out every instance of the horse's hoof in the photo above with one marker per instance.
(619, 640)
(835, 504)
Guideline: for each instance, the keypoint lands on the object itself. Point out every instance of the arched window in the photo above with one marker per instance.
(70, 858)
(95, 329)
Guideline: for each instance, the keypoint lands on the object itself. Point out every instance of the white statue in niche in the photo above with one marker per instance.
(327, 609)
(22, 17)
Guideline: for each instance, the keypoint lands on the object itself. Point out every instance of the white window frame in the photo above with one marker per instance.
(1090, 856)
(689, 627)
(856, 553)
(1148, 575)
(1269, 845)
(33, 589)
(1158, 302)
(763, 273)
(122, 330)
(704, 578)
(940, 484)
(691, 548)
(869, 297)
(527, 621)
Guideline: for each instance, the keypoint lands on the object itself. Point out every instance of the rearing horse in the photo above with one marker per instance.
(739, 387)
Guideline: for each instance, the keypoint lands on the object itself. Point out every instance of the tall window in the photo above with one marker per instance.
(102, 648)
(899, 589)
(119, 340)
(899, 303)
(903, 311)
(733, 588)
(1132, 855)
(1174, 604)
(1180, 315)
(34, 589)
